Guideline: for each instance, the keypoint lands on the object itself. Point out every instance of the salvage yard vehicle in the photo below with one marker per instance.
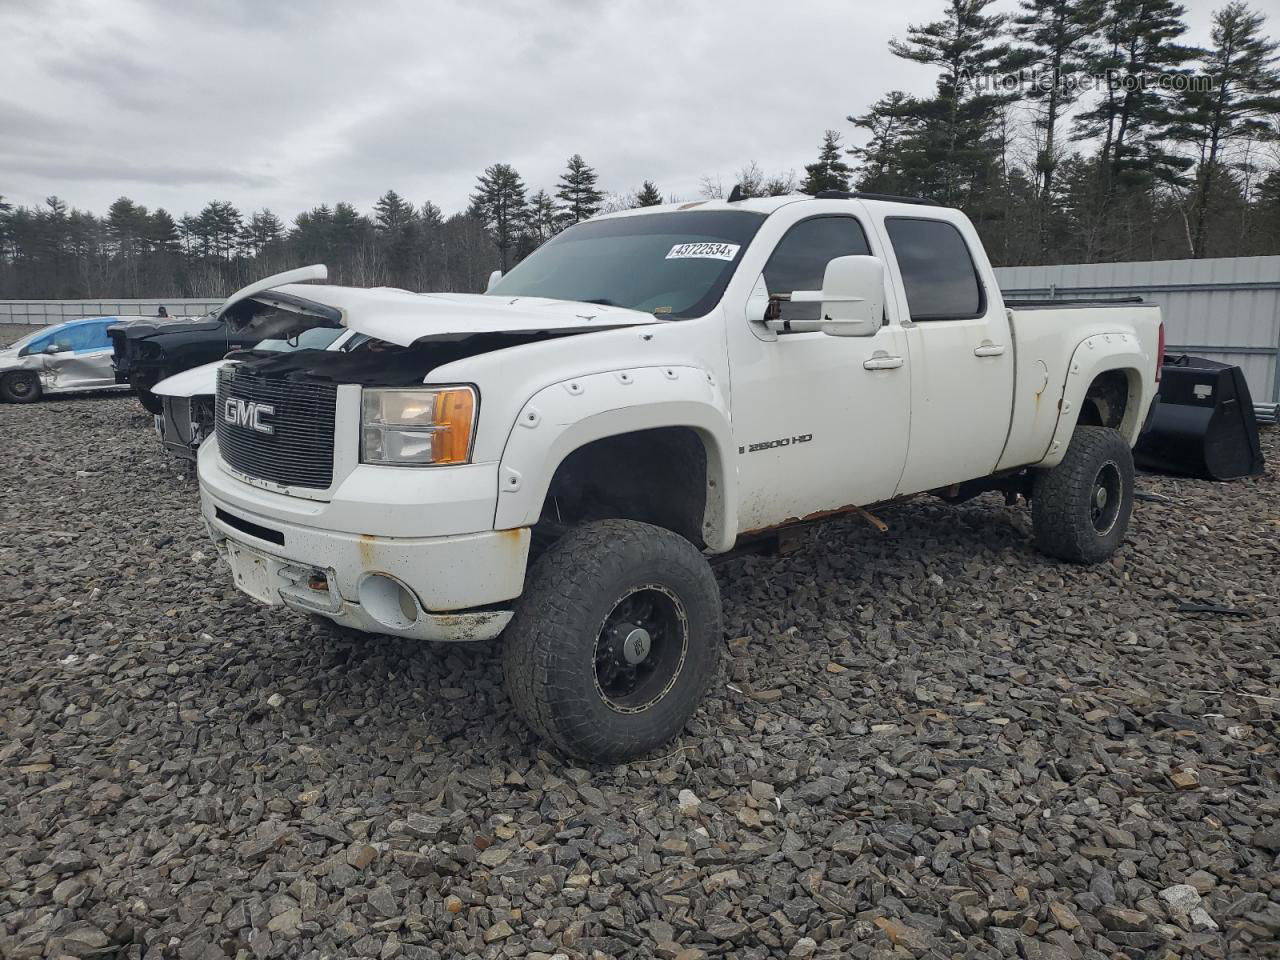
(74, 356)
(554, 461)
(186, 398)
(146, 352)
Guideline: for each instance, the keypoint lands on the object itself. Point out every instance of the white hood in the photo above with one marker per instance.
(201, 380)
(400, 317)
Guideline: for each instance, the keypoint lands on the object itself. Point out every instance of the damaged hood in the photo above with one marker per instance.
(403, 318)
(150, 326)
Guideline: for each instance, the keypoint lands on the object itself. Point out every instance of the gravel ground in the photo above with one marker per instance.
(929, 742)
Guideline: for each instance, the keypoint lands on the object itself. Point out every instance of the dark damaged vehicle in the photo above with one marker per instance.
(146, 352)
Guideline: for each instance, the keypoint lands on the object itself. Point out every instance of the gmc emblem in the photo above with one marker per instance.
(247, 413)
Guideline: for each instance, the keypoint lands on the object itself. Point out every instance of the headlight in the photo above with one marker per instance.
(417, 428)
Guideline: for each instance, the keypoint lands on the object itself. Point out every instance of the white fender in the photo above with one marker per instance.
(567, 415)
(198, 381)
(1096, 355)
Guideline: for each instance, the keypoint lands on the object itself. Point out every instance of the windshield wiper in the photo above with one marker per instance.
(603, 301)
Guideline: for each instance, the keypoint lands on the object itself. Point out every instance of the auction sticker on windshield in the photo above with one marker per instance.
(704, 251)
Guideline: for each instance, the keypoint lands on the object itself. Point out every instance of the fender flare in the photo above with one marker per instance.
(571, 413)
(1093, 356)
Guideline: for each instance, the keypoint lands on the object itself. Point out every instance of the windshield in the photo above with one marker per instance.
(24, 341)
(317, 338)
(668, 264)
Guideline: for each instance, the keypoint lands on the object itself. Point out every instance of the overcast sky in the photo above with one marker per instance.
(290, 103)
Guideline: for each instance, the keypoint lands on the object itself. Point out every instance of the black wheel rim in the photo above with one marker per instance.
(1104, 498)
(640, 648)
(20, 386)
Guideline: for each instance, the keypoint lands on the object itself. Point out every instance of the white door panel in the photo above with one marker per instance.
(961, 395)
(961, 368)
(820, 422)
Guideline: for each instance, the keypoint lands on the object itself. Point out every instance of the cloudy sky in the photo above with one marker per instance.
(290, 103)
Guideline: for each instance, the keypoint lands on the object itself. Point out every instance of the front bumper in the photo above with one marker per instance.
(425, 588)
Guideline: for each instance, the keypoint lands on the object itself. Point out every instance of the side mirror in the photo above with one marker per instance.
(758, 303)
(493, 279)
(53, 348)
(852, 299)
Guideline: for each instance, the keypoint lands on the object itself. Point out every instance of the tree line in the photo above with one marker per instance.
(1070, 131)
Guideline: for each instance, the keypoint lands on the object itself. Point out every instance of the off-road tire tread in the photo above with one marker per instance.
(549, 618)
(1061, 529)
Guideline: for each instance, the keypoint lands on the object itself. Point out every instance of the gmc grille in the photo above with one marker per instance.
(298, 449)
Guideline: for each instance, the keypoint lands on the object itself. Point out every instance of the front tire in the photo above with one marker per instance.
(20, 387)
(150, 402)
(615, 641)
(1080, 509)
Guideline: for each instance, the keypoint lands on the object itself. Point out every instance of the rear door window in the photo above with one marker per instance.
(799, 261)
(99, 339)
(938, 273)
(78, 338)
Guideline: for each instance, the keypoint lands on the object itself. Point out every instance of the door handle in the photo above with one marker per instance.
(882, 362)
(989, 349)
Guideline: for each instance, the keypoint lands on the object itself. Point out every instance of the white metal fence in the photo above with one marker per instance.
(1226, 309)
(40, 312)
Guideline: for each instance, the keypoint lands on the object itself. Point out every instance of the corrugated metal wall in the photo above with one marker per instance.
(39, 312)
(1226, 309)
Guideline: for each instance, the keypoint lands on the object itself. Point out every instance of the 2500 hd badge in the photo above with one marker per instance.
(774, 444)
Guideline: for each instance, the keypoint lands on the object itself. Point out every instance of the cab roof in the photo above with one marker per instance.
(767, 205)
(761, 205)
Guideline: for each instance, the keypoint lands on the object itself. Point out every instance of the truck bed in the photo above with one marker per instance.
(1058, 344)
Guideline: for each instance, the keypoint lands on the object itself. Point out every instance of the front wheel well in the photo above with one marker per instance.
(656, 476)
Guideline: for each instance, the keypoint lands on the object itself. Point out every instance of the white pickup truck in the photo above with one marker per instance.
(554, 460)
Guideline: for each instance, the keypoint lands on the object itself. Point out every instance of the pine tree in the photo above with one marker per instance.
(188, 231)
(542, 222)
(499, 203)
(161, 231)
(431, 215)
(893, 122)
(392, 213)
(396, 222)
(6, 231)
(1244, 93)
(579, 198)
(648, 195)
(218, 229)
(1055, 39)
(263, 230)
(1130, 119)
(830, 172)
(954, 146)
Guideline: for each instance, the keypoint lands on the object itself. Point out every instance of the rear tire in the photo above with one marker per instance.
(615, 641)
(21, 386)
(1080, 509)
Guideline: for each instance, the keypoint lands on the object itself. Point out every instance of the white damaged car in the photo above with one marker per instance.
(71, 357)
